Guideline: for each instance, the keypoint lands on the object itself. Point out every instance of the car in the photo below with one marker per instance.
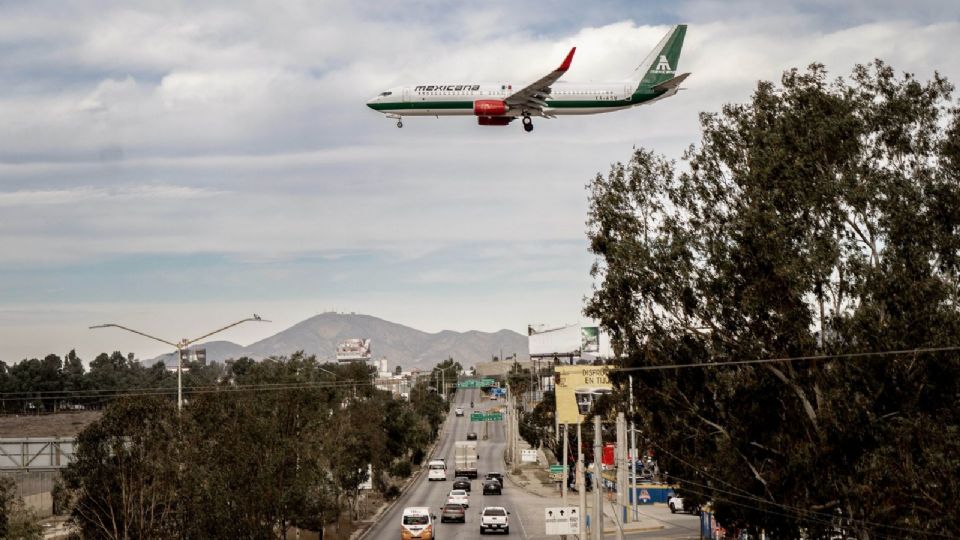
(458, 411)
(436, 470)
(416, 522)
(462, 482)
(495, 476)
(472, 436)
(494, 518)
(459, 496)
(677, 504)
(492, 487)
(453, 512)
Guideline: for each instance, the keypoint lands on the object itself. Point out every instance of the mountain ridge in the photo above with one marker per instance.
(400, 344)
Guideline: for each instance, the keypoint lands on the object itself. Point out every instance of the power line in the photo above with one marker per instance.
(842, 356)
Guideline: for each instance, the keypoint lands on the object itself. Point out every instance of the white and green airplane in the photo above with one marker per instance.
(499, 104)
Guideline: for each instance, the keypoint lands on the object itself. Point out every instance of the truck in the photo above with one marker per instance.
(465, 458)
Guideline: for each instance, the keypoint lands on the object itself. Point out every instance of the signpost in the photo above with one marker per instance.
(562, 520)
(485, 417)
(529, 456)
(557, 472)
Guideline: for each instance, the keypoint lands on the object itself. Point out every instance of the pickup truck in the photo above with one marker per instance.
(494, 518)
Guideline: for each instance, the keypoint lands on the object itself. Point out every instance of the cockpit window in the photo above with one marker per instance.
(382, 94)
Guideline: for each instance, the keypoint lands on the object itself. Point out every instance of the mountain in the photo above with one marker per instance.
(401, 345)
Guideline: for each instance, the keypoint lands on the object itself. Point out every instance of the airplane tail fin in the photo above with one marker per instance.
(660, 65)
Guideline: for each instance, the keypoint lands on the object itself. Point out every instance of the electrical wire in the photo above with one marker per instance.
(841, 356)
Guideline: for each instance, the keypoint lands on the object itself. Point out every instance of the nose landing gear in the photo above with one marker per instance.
(527, 123)
(399, 123)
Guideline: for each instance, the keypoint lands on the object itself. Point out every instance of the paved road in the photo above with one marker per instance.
(526, 519)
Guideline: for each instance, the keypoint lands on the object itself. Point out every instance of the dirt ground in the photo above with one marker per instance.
(66, 424)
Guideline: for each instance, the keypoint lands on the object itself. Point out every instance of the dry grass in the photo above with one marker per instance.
(66, 424)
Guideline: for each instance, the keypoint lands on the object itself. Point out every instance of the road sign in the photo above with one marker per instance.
(562, 520)
(485, 417)
(556, 472)
(529, 456)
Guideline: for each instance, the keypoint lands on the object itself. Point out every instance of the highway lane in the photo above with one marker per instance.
(434, 494)
(526, 519)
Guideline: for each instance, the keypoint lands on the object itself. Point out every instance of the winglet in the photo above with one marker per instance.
(566, 61)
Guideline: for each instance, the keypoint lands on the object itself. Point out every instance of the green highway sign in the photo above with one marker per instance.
(556, 469)
(485, 417)
(474, 383)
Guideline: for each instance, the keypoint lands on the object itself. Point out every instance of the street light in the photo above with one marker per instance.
(180, 346)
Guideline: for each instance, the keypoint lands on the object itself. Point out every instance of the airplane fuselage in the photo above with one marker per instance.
(463, 99)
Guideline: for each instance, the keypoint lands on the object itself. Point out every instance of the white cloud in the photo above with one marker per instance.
(240, 128)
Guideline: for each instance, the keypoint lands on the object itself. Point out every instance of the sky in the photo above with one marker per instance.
(176, 166)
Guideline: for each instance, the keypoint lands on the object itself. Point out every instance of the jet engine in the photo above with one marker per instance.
(489, 107)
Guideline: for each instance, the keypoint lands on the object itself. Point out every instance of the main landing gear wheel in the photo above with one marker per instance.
(527, 123)
(399, 123)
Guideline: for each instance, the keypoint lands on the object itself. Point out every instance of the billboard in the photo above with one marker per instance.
(577, 387)
(590, 339)
(352, 350)
(547, 342)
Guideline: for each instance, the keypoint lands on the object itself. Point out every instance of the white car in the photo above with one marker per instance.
(458, 411)
(676, 505)
(437, 470)
(494, 518)
(459, 496)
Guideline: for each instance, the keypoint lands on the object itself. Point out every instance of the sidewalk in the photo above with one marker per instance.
(534, 478)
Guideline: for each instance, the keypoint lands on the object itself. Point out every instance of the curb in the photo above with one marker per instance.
(362, 533)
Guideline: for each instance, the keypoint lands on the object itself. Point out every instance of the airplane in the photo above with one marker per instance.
(499, 104)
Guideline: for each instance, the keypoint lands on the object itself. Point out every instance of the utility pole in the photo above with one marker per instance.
(621, 473)
(563, 484)
(597, 479)
(633, 456)
(581, 480)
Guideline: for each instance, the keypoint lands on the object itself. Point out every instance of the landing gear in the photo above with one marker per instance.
(399, 123)
(527, 123)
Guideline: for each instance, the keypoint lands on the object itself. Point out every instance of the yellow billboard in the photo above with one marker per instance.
(576, 389)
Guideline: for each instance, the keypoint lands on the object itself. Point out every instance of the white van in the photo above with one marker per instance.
(437, 470)
(417, 523)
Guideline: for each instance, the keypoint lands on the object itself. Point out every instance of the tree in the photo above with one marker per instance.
(125, 475)
(16, 521)
(820, 218)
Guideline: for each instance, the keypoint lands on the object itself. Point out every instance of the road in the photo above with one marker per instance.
(526, 519)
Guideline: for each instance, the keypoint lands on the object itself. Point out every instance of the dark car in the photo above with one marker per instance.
(453, 512)
(495, 476)
(472, 436)
(492, 487)
(461, 482)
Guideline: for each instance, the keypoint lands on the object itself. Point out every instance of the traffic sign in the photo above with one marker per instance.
(484, 417)
(528, 455)
(556, 472)
(562, 520)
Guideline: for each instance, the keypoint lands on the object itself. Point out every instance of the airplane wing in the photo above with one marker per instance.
(533, 96)
(672, 83)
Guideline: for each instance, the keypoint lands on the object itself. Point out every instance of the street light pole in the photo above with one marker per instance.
(180, 346)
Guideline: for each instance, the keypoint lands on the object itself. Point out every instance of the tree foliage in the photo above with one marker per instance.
(819, 218)
(278, 443)
(16, 521)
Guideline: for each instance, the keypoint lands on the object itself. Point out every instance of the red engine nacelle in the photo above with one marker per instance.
(489, 107)
(494, 120)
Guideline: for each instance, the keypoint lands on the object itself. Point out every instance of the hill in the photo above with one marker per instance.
(401, 345)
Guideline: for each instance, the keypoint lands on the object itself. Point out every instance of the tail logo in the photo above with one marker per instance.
(663, 65)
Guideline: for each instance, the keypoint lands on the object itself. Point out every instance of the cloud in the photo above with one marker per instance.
(225, 149)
